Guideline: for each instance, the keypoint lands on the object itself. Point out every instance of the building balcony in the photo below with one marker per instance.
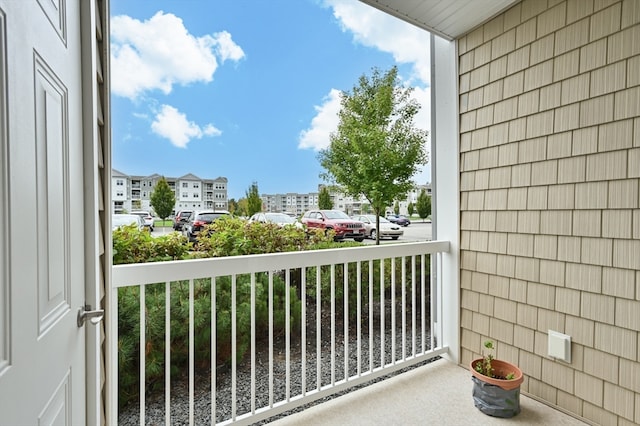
(266, 309)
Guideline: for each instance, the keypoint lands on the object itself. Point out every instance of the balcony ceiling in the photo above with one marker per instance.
(447, 18)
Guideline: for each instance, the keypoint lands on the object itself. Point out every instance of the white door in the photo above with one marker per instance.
(42, 365)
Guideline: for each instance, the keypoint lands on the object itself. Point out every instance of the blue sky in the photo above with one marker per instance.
(247, 89)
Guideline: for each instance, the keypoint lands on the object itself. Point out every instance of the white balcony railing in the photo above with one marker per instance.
(390, 319)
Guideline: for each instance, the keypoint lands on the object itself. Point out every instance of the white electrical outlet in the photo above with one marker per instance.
(559, 346)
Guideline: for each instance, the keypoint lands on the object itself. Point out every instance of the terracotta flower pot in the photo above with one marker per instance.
(501, 369)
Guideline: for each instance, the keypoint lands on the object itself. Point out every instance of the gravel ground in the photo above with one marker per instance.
(202, 390)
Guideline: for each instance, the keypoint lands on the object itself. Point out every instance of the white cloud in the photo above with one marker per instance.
(157, 53)
(173, 125)
(226, 48)
(325, 122)
(371, 27)
(405, 42)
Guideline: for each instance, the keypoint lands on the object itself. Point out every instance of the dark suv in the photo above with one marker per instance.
(199, 220)
(181, 218)
(336, 220)
(398, 219)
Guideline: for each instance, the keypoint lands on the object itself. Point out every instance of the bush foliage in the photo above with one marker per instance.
(226, 237)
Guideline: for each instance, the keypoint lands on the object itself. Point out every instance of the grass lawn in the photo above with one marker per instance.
(159, 223)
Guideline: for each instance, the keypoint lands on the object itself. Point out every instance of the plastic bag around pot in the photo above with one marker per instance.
(495, 401)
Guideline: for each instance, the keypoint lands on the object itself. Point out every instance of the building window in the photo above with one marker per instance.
(185, 194)
(196, 195)
(185, 184)
(119, 182)
(196, 185)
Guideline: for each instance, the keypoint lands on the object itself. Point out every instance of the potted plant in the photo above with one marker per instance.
(496, 385)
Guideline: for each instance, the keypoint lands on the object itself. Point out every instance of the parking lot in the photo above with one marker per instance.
(417, 231)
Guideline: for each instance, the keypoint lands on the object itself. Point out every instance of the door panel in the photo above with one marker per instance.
(42, 253)
(52, 194)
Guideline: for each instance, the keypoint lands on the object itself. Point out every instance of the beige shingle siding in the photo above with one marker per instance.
(550, 198)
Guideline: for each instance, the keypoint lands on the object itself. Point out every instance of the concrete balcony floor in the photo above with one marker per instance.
(437, 393)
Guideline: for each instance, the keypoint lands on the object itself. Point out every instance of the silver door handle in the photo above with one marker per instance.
(94, 316)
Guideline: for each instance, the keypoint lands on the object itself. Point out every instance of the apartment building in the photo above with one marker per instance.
(290, 202)
(299, 203)
(131, 192)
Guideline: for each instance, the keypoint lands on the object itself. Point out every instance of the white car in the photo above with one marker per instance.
(146, 217)
(118, 220)
(280, 219)
(387, 228)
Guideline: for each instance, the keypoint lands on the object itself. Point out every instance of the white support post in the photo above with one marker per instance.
(446, 186)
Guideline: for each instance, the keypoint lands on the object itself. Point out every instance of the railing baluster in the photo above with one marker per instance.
(404, 307)
(271, 339)
(287, 333)
(253, 343)
(359, 317)
(143, 352)
(191, 352)
(371, 315)
(303, 325)
(382, 315)
(234, 344)
(345, 319)
(318, 329)
(214, 342)
(423, 304)
(167, 353)
(333, 324)
(438, 292)
(414, 308)
(393, 310)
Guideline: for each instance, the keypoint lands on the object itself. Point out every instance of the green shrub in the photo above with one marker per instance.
(129, 326)
(225, 237)
(131, 245)
(229, 236)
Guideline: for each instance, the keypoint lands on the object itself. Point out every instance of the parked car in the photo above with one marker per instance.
(118, 220)
(399, 219)
(199, 219)
(336, 220)
(387, 228)
(180, 219)
(280, 219)
(146, 216)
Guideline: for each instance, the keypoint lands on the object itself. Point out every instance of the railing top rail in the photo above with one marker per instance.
(149, 273)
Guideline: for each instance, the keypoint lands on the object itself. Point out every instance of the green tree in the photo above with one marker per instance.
(423, 205)
(254, 202)
(366, 208)
(396, 207)
(242, 207)
(163, 200)
(376, 149)
(324, 199)
(233, 206)
(410, 209)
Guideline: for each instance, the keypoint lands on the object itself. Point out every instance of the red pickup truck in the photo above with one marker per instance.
(336, 220)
